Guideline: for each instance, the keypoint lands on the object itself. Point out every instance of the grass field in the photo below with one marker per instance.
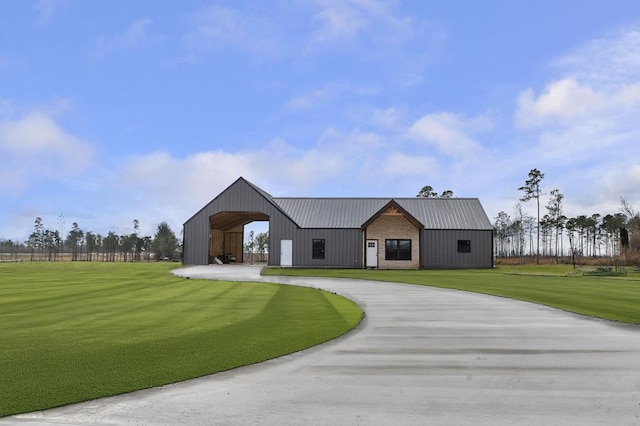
(76, 331)
(559, 286)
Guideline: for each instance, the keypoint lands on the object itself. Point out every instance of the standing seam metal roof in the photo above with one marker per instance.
(432, 213)
(330, 212)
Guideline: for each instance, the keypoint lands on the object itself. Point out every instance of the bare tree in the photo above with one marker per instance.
(502, 232)
(554, 207)
(531, 190)
(521, 225)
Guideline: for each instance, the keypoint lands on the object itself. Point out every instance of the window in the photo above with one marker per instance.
(397, 250)
(318, 249)
(464, 246)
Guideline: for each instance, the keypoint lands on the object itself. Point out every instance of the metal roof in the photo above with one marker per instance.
(447, 213)
(330, 212)
(432, 213)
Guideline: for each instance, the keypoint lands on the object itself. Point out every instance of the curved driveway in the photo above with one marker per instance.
(422, 356)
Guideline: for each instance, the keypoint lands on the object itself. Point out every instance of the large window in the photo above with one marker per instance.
(397, 250)
(464, 246)
(318, 249)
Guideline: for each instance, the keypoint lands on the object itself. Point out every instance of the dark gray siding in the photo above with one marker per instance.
(440, 249)
(339, 221)
(239, 197)
(280, 228)
(343, 248)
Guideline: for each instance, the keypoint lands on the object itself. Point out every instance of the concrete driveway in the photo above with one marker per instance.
(422, 356)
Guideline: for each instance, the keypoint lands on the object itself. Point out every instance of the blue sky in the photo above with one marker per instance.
(117, 110)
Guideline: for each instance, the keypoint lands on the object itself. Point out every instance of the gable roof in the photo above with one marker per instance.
(392, 207)
(330, 212)
(354, 213)
(239, 182)
(447, 213)
(432, 213)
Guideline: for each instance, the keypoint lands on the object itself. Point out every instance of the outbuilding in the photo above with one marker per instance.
(384, 233)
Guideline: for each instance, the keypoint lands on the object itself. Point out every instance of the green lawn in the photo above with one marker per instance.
(559, 286)
(76, 331)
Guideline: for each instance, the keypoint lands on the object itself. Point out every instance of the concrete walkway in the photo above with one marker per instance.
(422, 356)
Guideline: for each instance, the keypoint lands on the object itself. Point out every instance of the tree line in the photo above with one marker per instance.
(50, 245)
(555, 235)
(550, 233)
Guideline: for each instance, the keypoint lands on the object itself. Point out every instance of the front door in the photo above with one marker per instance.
(286, 253)
(372, 253)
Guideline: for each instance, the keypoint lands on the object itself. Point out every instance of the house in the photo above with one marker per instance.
(384, 233)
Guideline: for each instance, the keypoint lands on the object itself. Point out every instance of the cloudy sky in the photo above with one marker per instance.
(114, 110)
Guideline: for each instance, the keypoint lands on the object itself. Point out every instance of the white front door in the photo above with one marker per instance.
(372, 253)
(286, 253)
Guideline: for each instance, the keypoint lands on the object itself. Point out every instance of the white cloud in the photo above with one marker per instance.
(563, 99)
(46, 9)
(345, 21)
(353, 163)
(566, 101)
(601, 83)
(450, 134)
(624, 181)
(340, 21)
(309, 100)
(162, 182)
(329, 93)
(219, 28)
(159, 178)
(36, 145)
(137, 35)
(583, 126)
(375, 30)
(389, 118)
(607, 62)
(381, 33)
(398, 164)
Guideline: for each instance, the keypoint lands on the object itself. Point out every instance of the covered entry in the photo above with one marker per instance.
(226, 234)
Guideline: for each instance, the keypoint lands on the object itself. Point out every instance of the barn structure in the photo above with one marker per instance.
(384, 233)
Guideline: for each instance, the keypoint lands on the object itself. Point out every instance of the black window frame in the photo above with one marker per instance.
(318, 252)
(397, 252)
(464, 246)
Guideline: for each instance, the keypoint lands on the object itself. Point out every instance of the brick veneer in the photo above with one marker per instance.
(395, 226)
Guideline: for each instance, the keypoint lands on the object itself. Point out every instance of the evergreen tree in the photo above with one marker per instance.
(165, 242)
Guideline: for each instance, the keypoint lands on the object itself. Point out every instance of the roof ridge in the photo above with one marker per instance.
(256, 187)
(374, 198)
(333, 198)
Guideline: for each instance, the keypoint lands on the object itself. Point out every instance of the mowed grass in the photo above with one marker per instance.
(559, 286)
(76, 331)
